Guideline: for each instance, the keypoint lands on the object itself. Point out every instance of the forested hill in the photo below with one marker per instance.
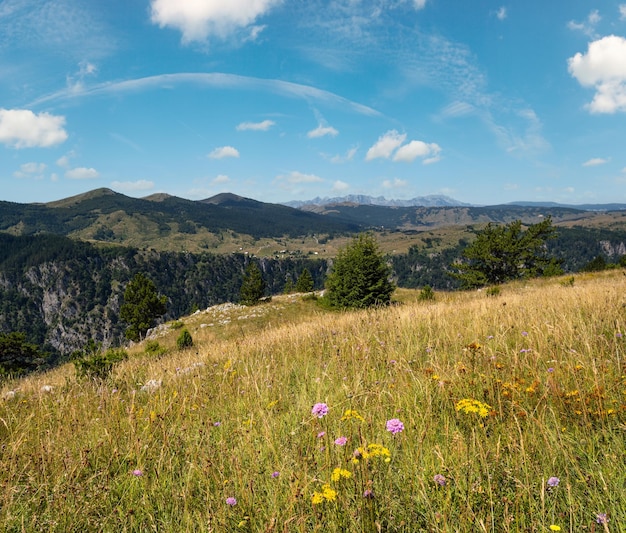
(105, 215)
(62, 293)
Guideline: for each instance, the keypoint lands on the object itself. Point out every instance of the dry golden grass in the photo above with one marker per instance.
(231, 418)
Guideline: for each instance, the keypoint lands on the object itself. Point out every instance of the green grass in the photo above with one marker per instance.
(545, 359)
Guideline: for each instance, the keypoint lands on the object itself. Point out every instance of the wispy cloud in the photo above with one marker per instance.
(622, 11)
(321, 131)
(588, 26)
(256, 126)
(30, 170)
(340, 186)
(299, 177)
(501, 14)
(132, 186)
(82, 173)
(596, 161)
(213, 80)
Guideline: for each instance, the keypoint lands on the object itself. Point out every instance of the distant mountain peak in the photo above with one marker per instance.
(228, 199)
(432, 200)
(77, 199)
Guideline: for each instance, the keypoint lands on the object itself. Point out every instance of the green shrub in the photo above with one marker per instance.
(154, 348)
(184, 340)
(177, 324)
(426, 293)
(97, 364)
(493, 291)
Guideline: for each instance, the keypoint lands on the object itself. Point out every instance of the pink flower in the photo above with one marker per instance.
(319, 410)
(231, 501)
(395, 426)
(341, 441)
(440, 480)
(137, 472)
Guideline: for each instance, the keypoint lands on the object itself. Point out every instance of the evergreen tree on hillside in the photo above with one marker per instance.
(253, 286)
(506, 253)
(17, 356)
(142, 306)
(305, 282)
(360, 276)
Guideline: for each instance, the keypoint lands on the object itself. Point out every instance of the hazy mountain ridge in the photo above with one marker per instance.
(433, 200)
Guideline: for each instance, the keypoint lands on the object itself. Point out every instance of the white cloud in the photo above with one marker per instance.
(347, 157)
(603, 67)
(82, 173)
(256, 126)
(30, 170)
(595, 162)
(501, 13)
(622, 11)
(131, 186)
(21, 128)
(414, 149)
(340, 186)
(588, 27)
(320, 131)
(396, 183)
(221, 179)
(299, 177)
(64, 161)
(224, 151)
(199, 19)
(419, 4)
(385, 145)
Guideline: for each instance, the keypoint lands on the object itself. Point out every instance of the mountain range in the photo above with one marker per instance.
(433, 200)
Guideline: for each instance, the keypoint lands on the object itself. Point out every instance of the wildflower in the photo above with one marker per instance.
(553, 482)
(440, 480)
(231, 501)
(351, 414)
(550, 370)
(138, 473)
(319, 410)
(339, 473)
(317, 498)
(341, 441)
(468, 405)
(275, 474)
(368, 493)
(327, 494)
(555, 528)
(524, 333)
(370, 451)
(395, 426)
(321, 434)
(46, 388)
(217, 424)
(602, 519)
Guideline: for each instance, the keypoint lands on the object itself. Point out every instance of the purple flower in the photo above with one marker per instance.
(553, 482)
(231, 501)
(275, 474)
(440, 480)
(321, 434)
(550, 370)
(368, 493)
(601, 518)
(137, 472)
(524, 333)
(341, 441)
(319, 410)
(395, 426)
(217, 424)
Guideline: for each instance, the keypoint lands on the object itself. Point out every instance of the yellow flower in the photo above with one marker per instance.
(555, 528)
(468, 405)
(328, 493)
(338, 473)
(351, 414)
(317, 498)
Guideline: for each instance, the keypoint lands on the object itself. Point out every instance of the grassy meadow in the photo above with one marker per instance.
(473, 412)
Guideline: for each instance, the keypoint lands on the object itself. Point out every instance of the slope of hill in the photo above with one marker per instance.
(104, 215)
(472, 412)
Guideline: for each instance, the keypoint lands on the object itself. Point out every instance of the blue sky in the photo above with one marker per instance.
(484, 101)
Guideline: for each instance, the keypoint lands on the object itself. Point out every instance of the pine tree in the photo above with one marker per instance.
(360, 276)
(142, 306)
(305, 282)
(253, 286)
